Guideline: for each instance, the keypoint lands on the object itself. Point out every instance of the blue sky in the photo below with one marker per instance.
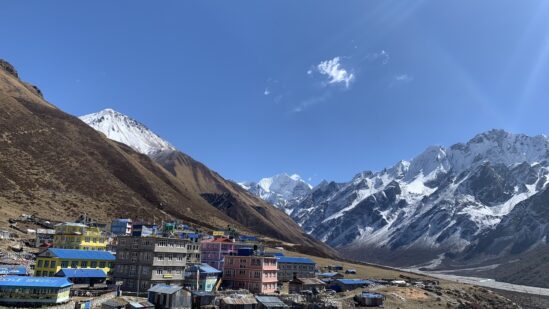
(324, 89)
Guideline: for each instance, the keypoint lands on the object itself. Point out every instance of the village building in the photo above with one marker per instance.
(290, 267)
(144, 230)
(370, 299)
(342, 285)
(5, 234)
(20, 291)
(121, 227)
(202, 298)
(256, 273)
(165, 296)
(88, 277)
(297, 285)
(70, 235)
(213, 251)
(51, 261)
(142, 262)
(201, 277)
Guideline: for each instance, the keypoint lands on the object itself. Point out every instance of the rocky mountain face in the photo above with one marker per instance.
(125, 130)
(282, 190)
(59, 167)
(469, 204)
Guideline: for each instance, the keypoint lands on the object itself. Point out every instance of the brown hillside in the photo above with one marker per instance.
(55, 165)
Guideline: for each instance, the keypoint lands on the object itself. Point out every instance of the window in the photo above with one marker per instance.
(93, 264)
(64, 264)
(38, 273)
(51, 274)
(46, 264)
(84, 264)
(101, 264)
(74, 264)
(242, 272)
(40, 263)
(53, 264)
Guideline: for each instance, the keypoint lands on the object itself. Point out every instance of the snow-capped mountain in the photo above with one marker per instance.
(123, 129)
(441, 204)
(282, 190)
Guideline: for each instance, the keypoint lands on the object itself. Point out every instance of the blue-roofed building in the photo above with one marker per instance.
(83, 276)
(144, 230)
(23, 291)
(370, 299)
(201, 277)
(49, 262)
(13, 270)
(342, 285)
(295, 267)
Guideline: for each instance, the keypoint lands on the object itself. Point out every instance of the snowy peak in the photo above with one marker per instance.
(123, 129)
(281, 190)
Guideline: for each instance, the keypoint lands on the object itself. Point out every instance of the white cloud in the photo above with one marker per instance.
(337, 74)
(267, 91)
(310, 102)
(403, 78)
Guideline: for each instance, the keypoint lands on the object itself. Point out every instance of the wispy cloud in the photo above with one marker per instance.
(382, 56)
(267, 91)
(403, 78)
(303, 105)
(333, 69)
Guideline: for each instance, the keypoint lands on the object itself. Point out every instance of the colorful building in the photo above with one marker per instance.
(213, 251)
(121, 227)
(49, 262)
(70, 235)
(201, 277)
(31, 291)
(256, 273)
(291, 267)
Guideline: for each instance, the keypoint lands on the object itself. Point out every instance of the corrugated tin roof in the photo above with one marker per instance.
(270, 301)
(82, 254)
(81, 273)
(296, 260)
(165, 289)
(35, 282)
(20, 270)
(354, 281)
(239, 300)
(327, 274)
(311, 281)
(372, 295)
(204, 268)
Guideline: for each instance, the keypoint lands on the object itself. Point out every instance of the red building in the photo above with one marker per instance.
(258, 274)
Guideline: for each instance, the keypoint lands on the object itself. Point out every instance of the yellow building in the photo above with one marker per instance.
(78, 236)
(49, 262)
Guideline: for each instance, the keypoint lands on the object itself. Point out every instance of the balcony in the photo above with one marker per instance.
(169, 249)
(174, 263)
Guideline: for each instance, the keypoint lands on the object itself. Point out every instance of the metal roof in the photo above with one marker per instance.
(20, 270)
(205, 269)
(75, 254)
(311, 281)
(271, 301)
(165, 289)
(294, 260)
(34, 282)
(328, 274)
(239, 300)
(372, 295)
(81, 273)
(354, 281)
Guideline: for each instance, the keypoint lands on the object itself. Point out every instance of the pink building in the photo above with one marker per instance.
(213, 251)
(258, 274)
